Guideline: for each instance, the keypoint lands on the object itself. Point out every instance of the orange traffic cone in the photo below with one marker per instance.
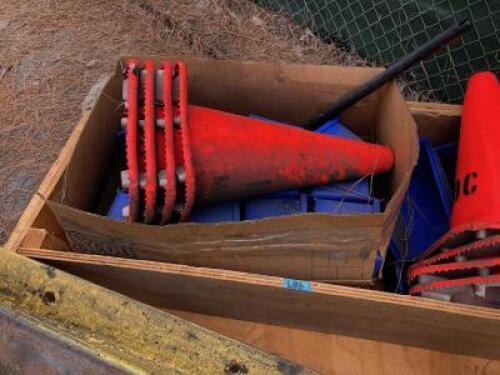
(477, 177)
(236, 157)
(477, 182)
(464, 264)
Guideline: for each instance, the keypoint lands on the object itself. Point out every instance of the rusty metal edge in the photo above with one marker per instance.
(104, 328)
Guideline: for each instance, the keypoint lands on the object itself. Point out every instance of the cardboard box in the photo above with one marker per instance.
(339, 248)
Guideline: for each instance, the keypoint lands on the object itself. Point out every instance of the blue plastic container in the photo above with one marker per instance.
(447, 153)
(336, 128)
(357, 192)
(337, 207)
(217, 213)
(116, 209)
(425, 212)
(426, 209)
(267, 207)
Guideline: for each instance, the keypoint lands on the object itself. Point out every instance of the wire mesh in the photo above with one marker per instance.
(383, 31)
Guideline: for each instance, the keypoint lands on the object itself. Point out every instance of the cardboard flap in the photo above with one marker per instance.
(340, 248)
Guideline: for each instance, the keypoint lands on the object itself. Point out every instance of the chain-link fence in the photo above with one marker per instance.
(383, 31)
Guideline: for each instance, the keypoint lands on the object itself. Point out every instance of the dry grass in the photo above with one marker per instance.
(52, 52)
(238, 29)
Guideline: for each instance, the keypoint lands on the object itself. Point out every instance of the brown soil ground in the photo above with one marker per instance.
(52, 52)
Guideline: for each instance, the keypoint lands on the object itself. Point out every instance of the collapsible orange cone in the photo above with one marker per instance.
(477, 177)
(477, 181)
(465, 263)
(204, 155)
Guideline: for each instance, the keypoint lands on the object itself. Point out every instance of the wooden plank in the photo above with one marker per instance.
(124, 332)
(51, 179)
(438, 122)
(434, 109)
(310, 247)
(342, 355)
(34, 238)
(369, 314)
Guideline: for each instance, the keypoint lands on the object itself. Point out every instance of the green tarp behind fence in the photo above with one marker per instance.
(383, 31)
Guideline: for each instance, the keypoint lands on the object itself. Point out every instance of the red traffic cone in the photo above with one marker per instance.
(477, 180)
(237, 157)
(205, 155)
(477, 177)
(464, 264)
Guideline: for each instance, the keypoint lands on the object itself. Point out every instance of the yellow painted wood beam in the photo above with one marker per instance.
(128, 334)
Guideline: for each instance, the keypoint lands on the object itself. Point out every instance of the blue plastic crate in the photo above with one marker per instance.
(259, 208)
(447, 153)
(426, 209)
(345, 207)
(286, 194)
(351, 191)
(217, 213)
(116, 209)
(425, 212)
(336, 128)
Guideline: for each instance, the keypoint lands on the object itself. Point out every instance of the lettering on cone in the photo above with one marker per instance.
(467, 186)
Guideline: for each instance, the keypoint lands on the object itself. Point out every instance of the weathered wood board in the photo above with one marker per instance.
(317, 307)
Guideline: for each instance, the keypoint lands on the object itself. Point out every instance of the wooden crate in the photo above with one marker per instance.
(238, 303)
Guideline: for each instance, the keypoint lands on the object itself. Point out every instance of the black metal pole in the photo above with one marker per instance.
(390, 73)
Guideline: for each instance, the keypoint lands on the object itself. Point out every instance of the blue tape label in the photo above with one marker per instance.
(303, 286)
